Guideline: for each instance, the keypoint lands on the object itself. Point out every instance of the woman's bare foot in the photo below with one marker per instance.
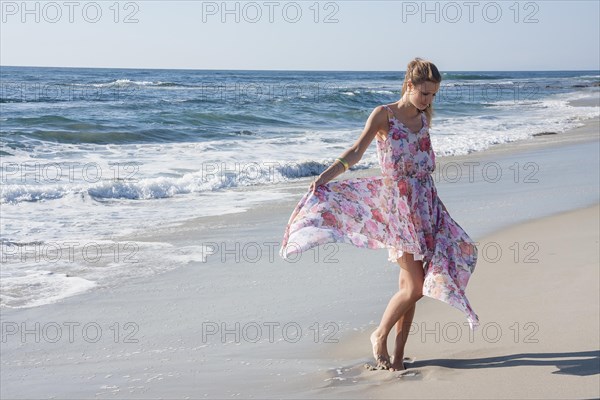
(380, 352)
(397, 364)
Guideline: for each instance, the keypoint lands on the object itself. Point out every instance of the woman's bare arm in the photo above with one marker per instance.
(376, 122)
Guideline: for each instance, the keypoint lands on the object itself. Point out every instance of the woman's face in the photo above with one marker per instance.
(421, 95)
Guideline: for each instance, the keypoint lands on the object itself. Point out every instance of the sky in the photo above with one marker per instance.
(302, 35)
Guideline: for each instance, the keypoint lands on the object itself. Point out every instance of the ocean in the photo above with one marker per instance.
(92, 157)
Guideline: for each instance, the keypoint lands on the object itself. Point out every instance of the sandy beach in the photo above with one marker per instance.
(243, 323)
(539, 331)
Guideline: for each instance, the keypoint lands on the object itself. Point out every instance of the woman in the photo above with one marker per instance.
(399, 210)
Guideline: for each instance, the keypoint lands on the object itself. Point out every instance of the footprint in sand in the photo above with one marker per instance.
(382, 367)
(409, 373)
(378, 367)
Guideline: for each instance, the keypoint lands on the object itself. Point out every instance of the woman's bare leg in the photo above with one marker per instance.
(402, 330)
(401, 303)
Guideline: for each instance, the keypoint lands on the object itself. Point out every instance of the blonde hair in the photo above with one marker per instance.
(419, 71)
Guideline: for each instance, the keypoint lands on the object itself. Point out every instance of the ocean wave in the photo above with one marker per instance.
(213, 177)
(11, 194)
(36, 288)
(128, 82)
(476, 84)
(468, 77)
(24, 99)
(30, 283)
(146, 189)
(383, 92)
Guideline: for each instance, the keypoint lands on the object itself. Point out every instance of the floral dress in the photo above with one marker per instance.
(399, 210)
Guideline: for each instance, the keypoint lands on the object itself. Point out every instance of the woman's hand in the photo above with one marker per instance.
(316, 183)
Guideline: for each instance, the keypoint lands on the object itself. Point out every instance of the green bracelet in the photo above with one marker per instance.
(344, 163)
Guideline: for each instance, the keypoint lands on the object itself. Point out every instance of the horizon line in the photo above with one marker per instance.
(293, 70)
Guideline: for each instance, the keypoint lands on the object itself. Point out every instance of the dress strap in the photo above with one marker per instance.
(389, 112)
